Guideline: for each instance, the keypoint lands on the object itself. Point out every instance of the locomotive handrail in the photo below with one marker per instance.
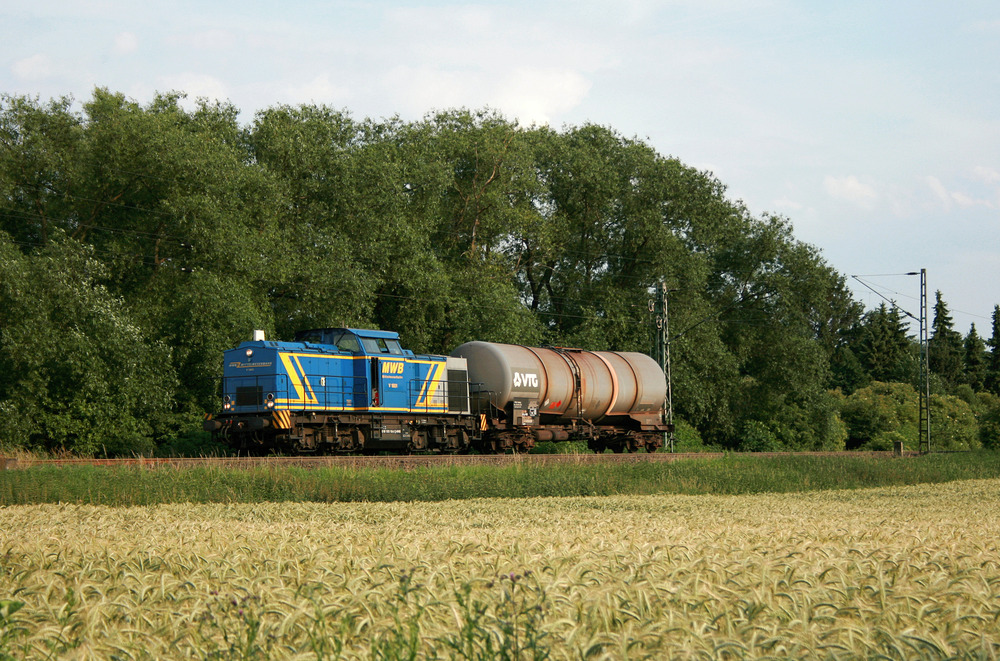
(283, 390)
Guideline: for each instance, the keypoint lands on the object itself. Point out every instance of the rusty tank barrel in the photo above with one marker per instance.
(565, 384)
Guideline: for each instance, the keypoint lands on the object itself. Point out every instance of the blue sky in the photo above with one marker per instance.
(874, 127)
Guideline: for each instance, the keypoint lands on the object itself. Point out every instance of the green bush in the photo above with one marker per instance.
(989, 429)
(757, 437)
(688, 439)
(880, 408)
(883, 441)
(953, 424)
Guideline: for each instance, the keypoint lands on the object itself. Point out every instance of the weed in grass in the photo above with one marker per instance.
(499, 619)
(232, 627)
(11, 629)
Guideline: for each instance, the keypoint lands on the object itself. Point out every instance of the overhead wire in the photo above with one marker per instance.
(885, 298)
(872, 287)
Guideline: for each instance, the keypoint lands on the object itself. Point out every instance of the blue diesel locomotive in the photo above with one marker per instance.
(342, 390)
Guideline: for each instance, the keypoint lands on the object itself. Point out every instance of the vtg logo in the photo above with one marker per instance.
(525, 380)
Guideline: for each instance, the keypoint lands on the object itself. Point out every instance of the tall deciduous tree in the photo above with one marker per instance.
(41, 183)
(76, 372)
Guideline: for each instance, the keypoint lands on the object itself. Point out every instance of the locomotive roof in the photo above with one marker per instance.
(360, 332)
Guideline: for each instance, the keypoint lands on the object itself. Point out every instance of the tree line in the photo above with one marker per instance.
(137, 242)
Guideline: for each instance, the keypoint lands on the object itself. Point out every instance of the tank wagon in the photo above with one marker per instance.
(609, 399)
(345, 390)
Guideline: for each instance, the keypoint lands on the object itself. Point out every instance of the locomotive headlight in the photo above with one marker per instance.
(270, 403)
(227, 406)
(249, 353)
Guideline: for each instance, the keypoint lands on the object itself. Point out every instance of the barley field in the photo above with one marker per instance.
(899, 573)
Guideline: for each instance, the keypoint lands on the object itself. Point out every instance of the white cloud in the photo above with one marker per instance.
(850, 189)
(125, 43)
(945, 198)
(963, 200)
(967, 201)
(36, 67)
(937, 189)
(530, 95)
(535, 95)
(419, 89)
(986, 175)
(478, 56)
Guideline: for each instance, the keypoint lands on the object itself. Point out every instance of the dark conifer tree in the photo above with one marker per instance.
(884, 344)
(992, 379)
(975, 360)
(946, 350)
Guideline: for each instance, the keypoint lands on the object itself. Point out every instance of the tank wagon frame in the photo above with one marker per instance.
(343, 390)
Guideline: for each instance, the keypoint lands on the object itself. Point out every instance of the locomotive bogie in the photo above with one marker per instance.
(317, 433)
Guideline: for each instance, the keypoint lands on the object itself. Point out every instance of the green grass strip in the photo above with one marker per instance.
(732, 474)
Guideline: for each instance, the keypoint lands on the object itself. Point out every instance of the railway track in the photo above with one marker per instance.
(408, 461)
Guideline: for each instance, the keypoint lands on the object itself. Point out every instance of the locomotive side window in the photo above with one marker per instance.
(379, 345)
(344, 342)
(349, 342)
